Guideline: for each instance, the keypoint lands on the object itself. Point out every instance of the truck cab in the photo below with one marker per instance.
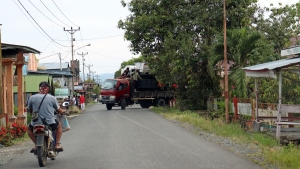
(115, 92)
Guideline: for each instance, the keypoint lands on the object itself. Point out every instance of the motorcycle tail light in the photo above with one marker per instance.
(38, 129)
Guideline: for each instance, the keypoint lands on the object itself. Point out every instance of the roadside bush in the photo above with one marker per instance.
(18, 131)
(16, 110)
(7, 134)
(28, 118)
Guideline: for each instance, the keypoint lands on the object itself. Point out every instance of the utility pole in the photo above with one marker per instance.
(72, 31)
(89, 67)
(93, 74)
(62, 77)
(98, 78)
(1, 88)
(225, 64)
(83, 54)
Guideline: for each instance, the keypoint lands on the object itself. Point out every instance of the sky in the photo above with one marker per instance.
(97, 20)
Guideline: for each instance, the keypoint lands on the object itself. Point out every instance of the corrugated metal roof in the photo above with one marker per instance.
(64, 65)
(267, 69)
(59, 73)
(274, 64)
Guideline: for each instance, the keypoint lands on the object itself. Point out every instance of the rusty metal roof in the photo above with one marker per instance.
(267, 69)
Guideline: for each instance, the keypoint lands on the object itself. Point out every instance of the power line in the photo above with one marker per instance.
(95, 38)
(40, 26)
(48, 56)
(106, 56)
(44, 14)
(104, 37)
(30, 21)
(53, 14)
(63, 14)
(47, 46)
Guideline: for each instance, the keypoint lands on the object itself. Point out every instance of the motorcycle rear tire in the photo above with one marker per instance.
(42, 154)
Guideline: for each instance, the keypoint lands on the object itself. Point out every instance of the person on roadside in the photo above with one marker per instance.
(135, 78)
(78, 101)
(47, 109)
(82, 102)
(74, 100)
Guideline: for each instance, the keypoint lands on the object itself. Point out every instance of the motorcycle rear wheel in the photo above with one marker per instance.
(42, 154)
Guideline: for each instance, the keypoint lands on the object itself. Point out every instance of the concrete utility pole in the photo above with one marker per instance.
(83, 54)
(72, 31)
(93, 72)
(1, 88)
(89, 67)
(97, 79)
(62, 77)
(225, 64)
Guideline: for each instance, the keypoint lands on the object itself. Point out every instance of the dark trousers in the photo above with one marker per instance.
(134, 84)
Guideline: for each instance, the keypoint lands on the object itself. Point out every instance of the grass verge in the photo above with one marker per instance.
(285, 157)
(18, 141)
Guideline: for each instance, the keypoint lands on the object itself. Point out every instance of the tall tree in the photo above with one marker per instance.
(279, 25)
(176, 37)
(245, 47)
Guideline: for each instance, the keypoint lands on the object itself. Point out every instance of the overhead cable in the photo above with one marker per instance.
(63, 13)
(31, 21)
(106, 56)
(40, 26)
(44, 14)
(53, 14)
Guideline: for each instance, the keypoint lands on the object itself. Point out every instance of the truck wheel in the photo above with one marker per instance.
(160, 102)
(109, 106)
(123, 104)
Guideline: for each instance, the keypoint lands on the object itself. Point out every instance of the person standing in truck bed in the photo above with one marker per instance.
(135, 78)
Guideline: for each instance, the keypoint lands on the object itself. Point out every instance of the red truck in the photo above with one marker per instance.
(120, 92)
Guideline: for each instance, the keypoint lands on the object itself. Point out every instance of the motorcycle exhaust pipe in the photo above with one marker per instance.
(51, 154)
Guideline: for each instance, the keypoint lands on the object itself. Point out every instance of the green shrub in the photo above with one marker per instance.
(28, 118)
(15, 110)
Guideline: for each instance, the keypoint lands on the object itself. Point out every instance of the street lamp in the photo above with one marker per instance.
(72, 67)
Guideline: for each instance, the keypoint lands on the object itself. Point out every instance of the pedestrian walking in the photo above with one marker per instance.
(82, 102)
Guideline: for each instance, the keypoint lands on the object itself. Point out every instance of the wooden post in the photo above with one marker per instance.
(4, 75)
(278, 129)
(225, 64)
(19, 65)
(235, 102)
(1, 79)
(8, 62)
(256, 100)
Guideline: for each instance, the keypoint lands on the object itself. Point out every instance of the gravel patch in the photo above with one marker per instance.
(250, 151)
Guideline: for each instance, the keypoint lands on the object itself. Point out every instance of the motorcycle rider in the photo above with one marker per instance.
(47, 109)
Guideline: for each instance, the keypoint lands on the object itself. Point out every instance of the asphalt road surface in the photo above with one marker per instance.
(134, 138)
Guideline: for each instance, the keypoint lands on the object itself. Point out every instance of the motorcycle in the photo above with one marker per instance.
(45, 141)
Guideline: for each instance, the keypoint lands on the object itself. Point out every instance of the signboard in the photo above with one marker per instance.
(61, 92)
(244, 108)
(290, 51)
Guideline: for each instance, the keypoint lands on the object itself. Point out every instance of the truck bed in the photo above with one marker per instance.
(140, 95)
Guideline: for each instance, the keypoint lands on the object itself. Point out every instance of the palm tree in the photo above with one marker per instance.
(245, 47)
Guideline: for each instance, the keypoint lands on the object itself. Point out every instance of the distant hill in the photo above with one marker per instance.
(105, 76)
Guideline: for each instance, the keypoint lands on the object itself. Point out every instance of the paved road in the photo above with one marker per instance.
(134, 138)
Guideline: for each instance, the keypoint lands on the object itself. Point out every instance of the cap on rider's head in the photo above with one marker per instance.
(44, 84)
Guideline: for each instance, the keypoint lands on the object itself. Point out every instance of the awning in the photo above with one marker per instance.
(268, 69)
(11, 49)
